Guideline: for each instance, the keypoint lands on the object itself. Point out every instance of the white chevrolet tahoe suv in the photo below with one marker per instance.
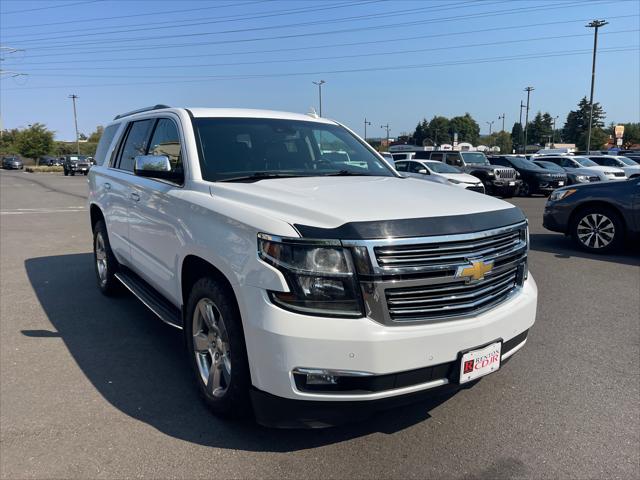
(310, 288)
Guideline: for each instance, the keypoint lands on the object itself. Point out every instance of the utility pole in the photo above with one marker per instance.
(553, 140)
(490, 125)
(365, 128)
(526, 120)
(596, 24)
(387, 128)
(521, 128)
(73, 97)
(501, 117)
(320, 83)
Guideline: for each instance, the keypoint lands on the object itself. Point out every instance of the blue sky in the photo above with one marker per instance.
(393, 61)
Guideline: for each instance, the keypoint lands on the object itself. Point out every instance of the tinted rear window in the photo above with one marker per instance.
(104, 143)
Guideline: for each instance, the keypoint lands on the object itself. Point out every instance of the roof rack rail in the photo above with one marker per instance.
(140, 110)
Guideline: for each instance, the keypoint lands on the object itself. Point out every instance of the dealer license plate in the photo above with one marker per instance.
(478, 363)
(561, 183)
(511, 184)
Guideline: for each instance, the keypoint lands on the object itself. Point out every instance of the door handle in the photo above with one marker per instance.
(135, 197)
(107, 186)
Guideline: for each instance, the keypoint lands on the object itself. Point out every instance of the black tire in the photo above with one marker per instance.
(525, 190)
(73, 174)
(232, 398)
(609, 227)
(107, 282)
(66, 172)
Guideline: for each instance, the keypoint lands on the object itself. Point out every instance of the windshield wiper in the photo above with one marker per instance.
(259, 176)
(346, 173)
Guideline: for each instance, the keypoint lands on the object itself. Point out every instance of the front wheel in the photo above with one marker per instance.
(216, 348)
(597, 229)
(66, 172)
(525, 190)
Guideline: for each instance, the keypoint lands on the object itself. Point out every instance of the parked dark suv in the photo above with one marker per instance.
(73, 164)
(535, 179)
(503, 181)
(598, 216)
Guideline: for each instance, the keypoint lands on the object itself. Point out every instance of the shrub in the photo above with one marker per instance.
(45, 169)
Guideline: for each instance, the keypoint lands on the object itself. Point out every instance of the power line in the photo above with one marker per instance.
(290, 36)
(209, 78)
(50, 6)
(204, 21)
(244, 30)
(315, 59)
(83, 20)
(325, 46)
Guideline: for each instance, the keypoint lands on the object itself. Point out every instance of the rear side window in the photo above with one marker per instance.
(104, 143)
(399, 156)
(135, 144)
(401, 166)
(453, 159)
(437, 156)
(421, 155)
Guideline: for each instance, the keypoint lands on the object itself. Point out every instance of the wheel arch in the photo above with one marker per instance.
(597, 204)
(95, 213)
(194, 268)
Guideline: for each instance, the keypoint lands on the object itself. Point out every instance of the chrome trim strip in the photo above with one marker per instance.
(325, 371)
(513, 350)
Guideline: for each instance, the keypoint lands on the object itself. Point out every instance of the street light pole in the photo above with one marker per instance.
(365, 128)
(521, 129)
(75, 119)
(490, 125)
(320, 83)
(596, 24)
(387, 128)
(526, 120)
(554, 130)
(501, 117)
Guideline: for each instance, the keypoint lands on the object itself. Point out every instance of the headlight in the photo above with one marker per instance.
(491, 174)
(561, 194)
(582, 178)
(319, 274)
(455, 182)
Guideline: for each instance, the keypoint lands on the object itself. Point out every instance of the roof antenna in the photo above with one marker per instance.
(312, 113)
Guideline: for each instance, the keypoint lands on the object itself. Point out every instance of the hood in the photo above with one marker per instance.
(600, 168)
(329, 202)
(461, 177)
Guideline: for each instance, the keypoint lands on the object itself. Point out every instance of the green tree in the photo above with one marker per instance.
(517, 135)
(466, 127)
(420, 132)
(578, 122)
(503, 140)
(8, 141)
(438, 130)
(35, 141)
(95, 136)
(540, 129)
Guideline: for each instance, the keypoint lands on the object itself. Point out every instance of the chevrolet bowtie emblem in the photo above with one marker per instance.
(475, 271)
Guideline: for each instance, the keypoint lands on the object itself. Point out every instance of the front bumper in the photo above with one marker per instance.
(556, 217)
(279, 341)
(505, 186)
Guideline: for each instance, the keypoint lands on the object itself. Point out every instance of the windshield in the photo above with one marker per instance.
(475, 157)
(628, 161)
(524, 164)
(551, 166)
(233, 148)
(440, 167)
(585, 162)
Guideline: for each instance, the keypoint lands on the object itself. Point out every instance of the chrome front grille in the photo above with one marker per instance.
(505, 173)
(418, 281)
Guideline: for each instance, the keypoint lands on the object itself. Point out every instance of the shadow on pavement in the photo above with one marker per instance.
(138, 364)
(563, 247)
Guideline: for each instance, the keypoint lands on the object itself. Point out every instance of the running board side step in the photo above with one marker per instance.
(151, 298)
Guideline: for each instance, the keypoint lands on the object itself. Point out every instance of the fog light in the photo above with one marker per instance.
(317, 379)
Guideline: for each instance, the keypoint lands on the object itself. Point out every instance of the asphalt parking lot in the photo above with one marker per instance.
(92, 387)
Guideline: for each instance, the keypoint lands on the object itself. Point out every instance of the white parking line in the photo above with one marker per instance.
(23, 211)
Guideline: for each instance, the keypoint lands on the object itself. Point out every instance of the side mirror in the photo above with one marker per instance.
(423, 171)
(155, 166)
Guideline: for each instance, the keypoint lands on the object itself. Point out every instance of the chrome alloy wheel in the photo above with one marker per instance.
(596, 230)
(211, 347)
(101, 259)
